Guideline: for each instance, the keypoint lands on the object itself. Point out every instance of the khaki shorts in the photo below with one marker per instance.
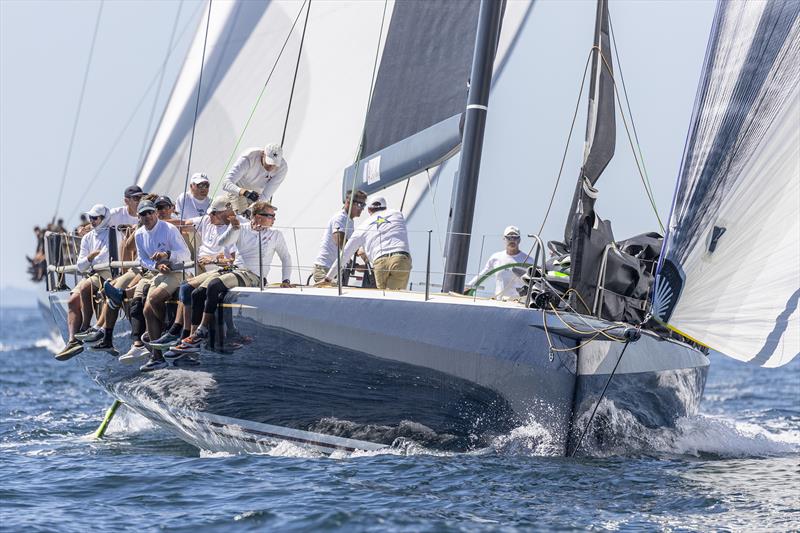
(202, 280)
(123, 281)
(319, 273)
(241, 278)
(158, 280)
(96, 280)
(392, 271)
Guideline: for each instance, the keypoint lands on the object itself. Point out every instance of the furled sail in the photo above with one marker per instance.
(730, 268)
(414, 117)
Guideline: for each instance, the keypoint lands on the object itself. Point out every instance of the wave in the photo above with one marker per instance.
(52, 344)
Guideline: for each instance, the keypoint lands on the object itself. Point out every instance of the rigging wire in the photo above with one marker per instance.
(196, 107)
(296, 69)
(258, 100)
(78, 112)
(128, 123)
(566, 148)
(143, 151)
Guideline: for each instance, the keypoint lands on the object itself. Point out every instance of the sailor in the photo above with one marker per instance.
(248, 237)
(340, 228)
(385, 240)
(194, 203)
(213, 260)
(507, 281)
(93, 261)
(256, 175)
(162, 251)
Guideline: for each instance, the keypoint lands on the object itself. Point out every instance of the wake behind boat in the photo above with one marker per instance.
(347, 368)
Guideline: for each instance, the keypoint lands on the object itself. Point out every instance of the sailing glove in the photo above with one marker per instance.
(251, 195)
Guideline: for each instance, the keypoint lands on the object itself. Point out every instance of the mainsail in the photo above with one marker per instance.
(730, 270)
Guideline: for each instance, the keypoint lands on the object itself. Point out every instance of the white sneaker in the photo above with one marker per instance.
(136, 355)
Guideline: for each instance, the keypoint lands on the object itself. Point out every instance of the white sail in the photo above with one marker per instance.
(328, 109)
(730, 274)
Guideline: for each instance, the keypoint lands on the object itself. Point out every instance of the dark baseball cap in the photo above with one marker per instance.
(145, 206)
(134, 191)
(163, 200)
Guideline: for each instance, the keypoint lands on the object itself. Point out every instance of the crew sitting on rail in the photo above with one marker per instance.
(507, 281)
(340, 228)
(249, 238)
(213, 260)
(194, 203)
(162, 252)
(385, 240)
(92, 260)
(255, 176)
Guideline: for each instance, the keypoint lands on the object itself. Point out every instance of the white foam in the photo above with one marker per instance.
(531, 439)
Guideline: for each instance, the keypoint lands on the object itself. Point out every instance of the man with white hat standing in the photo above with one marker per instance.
(506, 280)
(92, 260)
(385, 240)
(195, 202)
(255, 176)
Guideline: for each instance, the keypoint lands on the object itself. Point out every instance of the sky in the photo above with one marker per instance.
(44, 48)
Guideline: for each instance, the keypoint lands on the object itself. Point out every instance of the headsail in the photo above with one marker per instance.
(730, 275)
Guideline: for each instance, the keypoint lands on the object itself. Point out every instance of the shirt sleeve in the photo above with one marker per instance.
(229, 183)
(277, 179)
(285, 256)
(487, 268)
(83, 263)
(230, 236)
(179, 250)
(356, 240)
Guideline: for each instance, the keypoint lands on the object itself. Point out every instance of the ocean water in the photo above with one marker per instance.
(735, 466)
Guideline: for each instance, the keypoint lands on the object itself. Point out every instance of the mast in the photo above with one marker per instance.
(490, 18)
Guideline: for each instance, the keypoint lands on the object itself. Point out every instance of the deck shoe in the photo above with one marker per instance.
(113, 294)
(73, 348)
(105, 345)
(155, 363)
(135, 355)
(181, 349)
(92, 335)
(165, 341)
(81, 335)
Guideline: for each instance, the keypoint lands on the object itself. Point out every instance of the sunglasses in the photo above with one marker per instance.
(147, 213)
(95, 218)
(163, 206)
(202, 185)
(267, 215)
(360, 204)
(512, 237)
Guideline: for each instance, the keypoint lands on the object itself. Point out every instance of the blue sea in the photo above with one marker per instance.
(735, 466)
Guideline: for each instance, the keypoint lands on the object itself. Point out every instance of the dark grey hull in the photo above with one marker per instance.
(364, 371)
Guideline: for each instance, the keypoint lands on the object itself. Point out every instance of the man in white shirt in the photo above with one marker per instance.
(340, 228)
(506, 280)
(255, 176)
(161, 250)
(195, 202)
(249, 271)
(385, 241)
(93, 261)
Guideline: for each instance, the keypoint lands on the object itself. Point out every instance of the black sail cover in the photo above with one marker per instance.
(586, 235)
(414, 117)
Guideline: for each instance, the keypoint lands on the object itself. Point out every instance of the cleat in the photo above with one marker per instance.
(155, 363)
(113, 295)
(186, 361)
(135, 355)
(73, 348)
(167, 340)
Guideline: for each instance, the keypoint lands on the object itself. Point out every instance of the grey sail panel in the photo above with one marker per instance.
(421, 85)
(728, 275)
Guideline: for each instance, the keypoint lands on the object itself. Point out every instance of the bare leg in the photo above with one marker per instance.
(154, 312)
(86, 305)
(73, 314)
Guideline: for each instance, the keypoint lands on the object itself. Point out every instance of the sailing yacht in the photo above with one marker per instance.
(341, 368)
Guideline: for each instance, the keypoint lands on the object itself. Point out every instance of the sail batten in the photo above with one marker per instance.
(729, 273)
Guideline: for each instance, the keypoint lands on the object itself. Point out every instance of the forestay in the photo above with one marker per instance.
(729, 274)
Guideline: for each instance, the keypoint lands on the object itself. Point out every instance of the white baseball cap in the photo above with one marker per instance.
(273, 154)
(377, 202)
(219, 204)
(511, 230)
(199, 178)
(98, 210)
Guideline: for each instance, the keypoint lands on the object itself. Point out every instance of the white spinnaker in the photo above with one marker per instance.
(742, 298)
(327, 115)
